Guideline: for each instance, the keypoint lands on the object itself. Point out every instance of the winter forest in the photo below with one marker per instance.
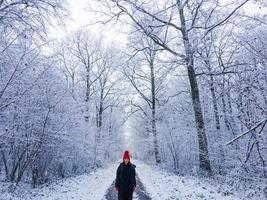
(181, 84)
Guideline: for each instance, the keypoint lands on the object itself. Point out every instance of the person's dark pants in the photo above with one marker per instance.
(125, 194)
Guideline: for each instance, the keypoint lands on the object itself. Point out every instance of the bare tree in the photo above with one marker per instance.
(26, 16)
(146, 75)
(190, 21)
(106, 97)
(86, 52)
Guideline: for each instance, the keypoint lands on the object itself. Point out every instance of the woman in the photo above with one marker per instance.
(125, 178)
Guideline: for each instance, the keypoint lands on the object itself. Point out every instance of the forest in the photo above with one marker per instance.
(181, 84)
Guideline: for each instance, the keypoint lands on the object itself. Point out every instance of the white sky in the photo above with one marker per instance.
(81, 16)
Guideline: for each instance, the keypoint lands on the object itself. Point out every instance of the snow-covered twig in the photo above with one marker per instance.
(263, 123)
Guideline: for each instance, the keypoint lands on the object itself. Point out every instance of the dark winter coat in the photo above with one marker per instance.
(125, 181)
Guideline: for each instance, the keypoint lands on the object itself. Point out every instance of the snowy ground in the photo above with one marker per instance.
(84, 187)
(165, 186)
(153, 183)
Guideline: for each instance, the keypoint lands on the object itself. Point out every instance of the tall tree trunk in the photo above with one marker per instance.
(153, 109)
(99, 121)
(87, 94)
(100, 109)
(155, 140)
(202, 138)
(204, 160)
(217, 124)
(230, 108)
(217, 118)
(232, 119)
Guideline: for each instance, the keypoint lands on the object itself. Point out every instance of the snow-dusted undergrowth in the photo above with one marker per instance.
(165, 186)
(84, 187)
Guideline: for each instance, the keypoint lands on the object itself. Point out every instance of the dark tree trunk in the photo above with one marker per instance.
(87, 93)
(202, 139)
(100, 110)
(204, 160)
(218, 125)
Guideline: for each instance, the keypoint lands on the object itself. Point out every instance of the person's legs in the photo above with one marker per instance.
(120, 197)
(123, 197)
(130, 195)
(125, 194)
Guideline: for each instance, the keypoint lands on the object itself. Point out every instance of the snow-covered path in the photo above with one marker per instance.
(139, 194)
(84, 187)
(152, 183)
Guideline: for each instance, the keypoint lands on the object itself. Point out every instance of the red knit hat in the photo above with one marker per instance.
(126, 155)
